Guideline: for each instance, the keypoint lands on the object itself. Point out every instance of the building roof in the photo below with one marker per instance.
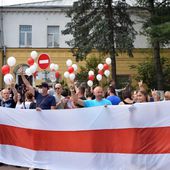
(52, 3)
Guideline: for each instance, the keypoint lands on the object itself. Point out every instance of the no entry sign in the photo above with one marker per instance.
(43, 61)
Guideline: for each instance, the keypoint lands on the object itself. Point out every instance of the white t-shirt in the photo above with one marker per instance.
(27, 105)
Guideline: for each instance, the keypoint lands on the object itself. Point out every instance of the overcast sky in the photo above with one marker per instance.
(11, 2)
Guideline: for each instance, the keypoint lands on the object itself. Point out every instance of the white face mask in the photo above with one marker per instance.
(40, 90)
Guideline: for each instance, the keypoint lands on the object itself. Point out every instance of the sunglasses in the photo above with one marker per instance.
(57, 88)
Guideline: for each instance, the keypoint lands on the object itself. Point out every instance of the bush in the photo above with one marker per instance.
(146, 72)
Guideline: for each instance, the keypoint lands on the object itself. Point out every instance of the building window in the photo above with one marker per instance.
(25, 35)
(53, 36)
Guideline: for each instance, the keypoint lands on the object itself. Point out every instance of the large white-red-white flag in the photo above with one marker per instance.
(112, 138)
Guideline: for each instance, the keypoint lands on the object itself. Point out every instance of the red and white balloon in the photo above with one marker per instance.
(34, 55)
(57, 74)
(99, 77)
(66, 74)
(100, 66)
(30, 61)
(90, 83)
(91, 72)
(108, 61)
(5, 69)
(107, 73)
(91, 78)
(69, 63)
(8, 78)
(11, 61)
(72, 68)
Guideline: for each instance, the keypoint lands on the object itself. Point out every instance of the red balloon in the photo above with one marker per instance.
(100, 72)
(30, 61)
(35, 74)
(70, 69)
(57, 74)
(91, 77)
(5, 69)
(106, 66)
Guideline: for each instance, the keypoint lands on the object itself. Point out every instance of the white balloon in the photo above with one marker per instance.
(107, 73)
(72, 76)
(66, 74)
(11, 61)
(99, 77)
(75, 67)
(36, 65)
(69, 62)
(90, 73)
(108, 61)
(32, 69)
(8, 78)
(56, 67)
(90, 83)
(34, 54)
(100, 66)
(28, 72)
(52, 65)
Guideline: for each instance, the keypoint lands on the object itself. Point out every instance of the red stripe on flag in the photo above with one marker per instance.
(133, 140)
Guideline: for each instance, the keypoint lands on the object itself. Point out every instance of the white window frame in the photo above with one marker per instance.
(54, 36)
(26, 36)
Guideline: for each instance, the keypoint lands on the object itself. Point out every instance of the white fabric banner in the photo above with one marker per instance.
(114, 138)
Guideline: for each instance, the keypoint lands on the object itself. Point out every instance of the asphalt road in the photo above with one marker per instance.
(11, 168)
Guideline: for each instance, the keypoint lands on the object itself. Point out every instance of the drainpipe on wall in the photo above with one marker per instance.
(2, 41)
(3, 61)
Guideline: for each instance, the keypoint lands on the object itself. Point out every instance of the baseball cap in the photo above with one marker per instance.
(44, 84)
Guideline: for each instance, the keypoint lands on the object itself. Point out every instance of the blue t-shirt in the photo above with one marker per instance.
(115, 100)
(92, 103)
(44, 102)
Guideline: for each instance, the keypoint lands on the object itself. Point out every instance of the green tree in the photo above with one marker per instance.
(146, 72)
(102, 25)
(157, 28)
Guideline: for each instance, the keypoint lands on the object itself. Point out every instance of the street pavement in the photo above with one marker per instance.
(11, 168)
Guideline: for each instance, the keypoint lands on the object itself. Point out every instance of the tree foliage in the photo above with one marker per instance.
(101, 25)
(147, 73)
(157, 28)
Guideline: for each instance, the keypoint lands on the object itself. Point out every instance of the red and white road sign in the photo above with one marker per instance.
(43, 61)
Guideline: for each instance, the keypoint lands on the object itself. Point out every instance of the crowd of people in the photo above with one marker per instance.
(46, 98)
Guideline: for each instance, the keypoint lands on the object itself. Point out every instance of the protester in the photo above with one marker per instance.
(29, 102)
(89, 95)
(98, 101)
(127, 99)
(44, 101)
(81, 94)
(167, 95)
(19, 103)
(68, 102)
(8, 100)
(134, 96)
(155, 95)
(142, 96)
(112, 97)
(60, 103)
